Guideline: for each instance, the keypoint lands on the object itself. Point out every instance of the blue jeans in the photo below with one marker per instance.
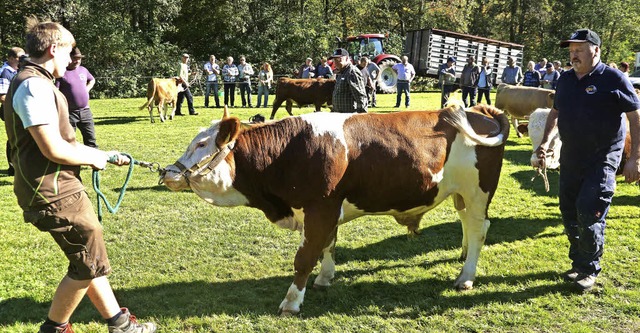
(263, 90)
(207, 92)
(403, 87)
(585, 198)
(469, 92)
(245, 87)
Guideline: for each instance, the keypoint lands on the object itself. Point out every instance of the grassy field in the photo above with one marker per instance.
(193, 267)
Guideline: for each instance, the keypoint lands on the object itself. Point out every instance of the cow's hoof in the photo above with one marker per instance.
(462, 286)
(287, 313)
(413, 233)
(320, 287)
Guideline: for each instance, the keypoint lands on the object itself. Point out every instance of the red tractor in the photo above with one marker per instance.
(372, 46)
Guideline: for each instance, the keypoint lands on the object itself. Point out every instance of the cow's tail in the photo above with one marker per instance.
(456, 116)
(150, 88)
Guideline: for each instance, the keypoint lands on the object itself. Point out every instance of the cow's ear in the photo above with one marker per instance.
(230, 128)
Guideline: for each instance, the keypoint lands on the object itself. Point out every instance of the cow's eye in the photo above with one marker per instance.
(201, 144)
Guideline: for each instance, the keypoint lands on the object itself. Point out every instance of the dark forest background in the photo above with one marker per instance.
(128, 41)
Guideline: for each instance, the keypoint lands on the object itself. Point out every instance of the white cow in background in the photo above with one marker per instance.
(537, 122)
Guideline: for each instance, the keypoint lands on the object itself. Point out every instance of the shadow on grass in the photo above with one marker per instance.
(260, 297)
(445, 236)
(118, 120)
(157, 188)
(537, 184)
(626, 200)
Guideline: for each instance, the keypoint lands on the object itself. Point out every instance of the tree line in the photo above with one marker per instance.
(128, 41)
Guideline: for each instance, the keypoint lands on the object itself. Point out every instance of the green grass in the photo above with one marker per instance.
(193, 267)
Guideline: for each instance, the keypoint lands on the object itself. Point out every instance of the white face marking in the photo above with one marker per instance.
(332, 124)
(215, 187)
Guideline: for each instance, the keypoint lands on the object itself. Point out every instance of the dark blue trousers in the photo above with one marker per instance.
(585, 198)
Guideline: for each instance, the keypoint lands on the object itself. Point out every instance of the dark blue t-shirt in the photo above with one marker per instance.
(590, 118)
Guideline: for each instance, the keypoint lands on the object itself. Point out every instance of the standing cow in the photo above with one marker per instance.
(521, 101)
(162, 93)
(304, 92)
(316, 171)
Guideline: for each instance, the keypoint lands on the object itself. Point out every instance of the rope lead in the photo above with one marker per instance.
(102, 198)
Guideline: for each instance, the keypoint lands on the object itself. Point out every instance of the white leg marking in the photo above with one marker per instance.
(292, 301)
(327, 267)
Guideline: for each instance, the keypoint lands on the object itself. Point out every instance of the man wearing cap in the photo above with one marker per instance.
(406, 73)
(550, 78)
(75, 86)
(590, 102)
(447, 74)
(349, 94)
(183, 73)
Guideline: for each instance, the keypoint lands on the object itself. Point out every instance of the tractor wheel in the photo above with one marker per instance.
(388, 79)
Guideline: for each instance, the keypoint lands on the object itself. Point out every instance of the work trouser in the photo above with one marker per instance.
(82, 119)
(469, 93)
(229, 93)
(447, 89)
(403, 87)
(181, 96)
(585, 198)
(484, 92)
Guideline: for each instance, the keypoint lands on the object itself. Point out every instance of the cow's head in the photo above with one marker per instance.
(207, 166)
(550, 99)
(178, 80)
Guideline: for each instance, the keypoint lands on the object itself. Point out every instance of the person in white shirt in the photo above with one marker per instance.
(244, 81)
(183, 73)
(406, 73)
(213, 70)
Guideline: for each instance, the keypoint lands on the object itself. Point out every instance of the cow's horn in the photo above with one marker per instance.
(225, 114)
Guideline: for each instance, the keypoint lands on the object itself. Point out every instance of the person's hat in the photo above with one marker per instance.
(75, 53)
(548, 65)
(451, 59)
(339, 53)
(185, 55)
(581, 36)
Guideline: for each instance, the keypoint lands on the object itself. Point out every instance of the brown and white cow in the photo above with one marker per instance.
(521, 101)
(304, 92)
(316, 171)
(162, 93)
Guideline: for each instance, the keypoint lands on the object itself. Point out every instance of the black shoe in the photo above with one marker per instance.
(11, 171)
(193, 113)
(397, 106)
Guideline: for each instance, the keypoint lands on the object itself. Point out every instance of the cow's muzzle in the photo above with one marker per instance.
(201, 168)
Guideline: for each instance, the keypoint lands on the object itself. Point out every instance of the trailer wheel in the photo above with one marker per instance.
(388, 79)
